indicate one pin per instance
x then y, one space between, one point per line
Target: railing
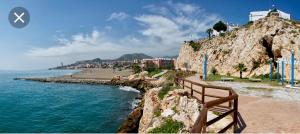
215 104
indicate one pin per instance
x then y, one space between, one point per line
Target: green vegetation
293 32
157 112
241 67
174 109
150 67
264 79
165 89
220 26
213 71
183 74
168 126
196 46
136 68
222 34
273 10
209 32
154 72
255 64
217 113
248 24
168 84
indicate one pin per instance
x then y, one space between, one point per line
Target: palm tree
241 67
209 32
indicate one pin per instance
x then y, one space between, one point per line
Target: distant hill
97 61
131 57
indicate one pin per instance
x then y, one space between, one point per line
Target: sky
71 30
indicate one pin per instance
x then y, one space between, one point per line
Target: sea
32 107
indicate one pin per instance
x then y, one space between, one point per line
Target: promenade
265 115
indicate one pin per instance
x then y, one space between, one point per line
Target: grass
154 72
168 126
157 113
165 89
217 113
237 79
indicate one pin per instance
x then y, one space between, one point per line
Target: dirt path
265 115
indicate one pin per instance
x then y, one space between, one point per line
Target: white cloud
159 34
118 16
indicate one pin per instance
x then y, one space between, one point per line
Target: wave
129 89
135 103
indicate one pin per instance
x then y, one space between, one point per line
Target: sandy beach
99 73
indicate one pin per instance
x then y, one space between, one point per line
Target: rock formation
253 45
178 106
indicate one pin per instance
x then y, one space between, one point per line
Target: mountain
252 45
131 57
97 62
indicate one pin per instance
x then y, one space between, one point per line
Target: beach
86 76
99 73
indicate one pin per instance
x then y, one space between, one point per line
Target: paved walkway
265 115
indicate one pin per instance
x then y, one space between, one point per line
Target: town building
159 62
256 15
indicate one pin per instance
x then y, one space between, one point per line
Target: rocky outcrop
253 45
151 105
131 124
176 105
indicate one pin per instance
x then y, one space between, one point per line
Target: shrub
214 71
168 126
220 26
136 68
222 34
183 74
195 46
209 32
157 112
267 76
165 89
150 67
255 64
228 74
292 42
248 24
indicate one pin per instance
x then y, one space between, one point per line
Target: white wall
255 15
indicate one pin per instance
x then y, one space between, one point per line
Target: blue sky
69 30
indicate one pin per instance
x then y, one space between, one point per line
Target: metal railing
218 103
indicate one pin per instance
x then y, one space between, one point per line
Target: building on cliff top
255 15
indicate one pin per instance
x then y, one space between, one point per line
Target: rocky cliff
253 45
178 106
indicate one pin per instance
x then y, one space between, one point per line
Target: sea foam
129 89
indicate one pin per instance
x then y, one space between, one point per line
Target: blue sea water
27 106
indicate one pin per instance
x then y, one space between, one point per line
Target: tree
214 71
220 26
136 68
241 67
209 32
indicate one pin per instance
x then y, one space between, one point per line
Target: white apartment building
255 15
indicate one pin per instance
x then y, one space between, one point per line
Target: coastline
107 77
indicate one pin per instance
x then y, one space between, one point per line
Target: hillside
98 61
131 57
253 45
